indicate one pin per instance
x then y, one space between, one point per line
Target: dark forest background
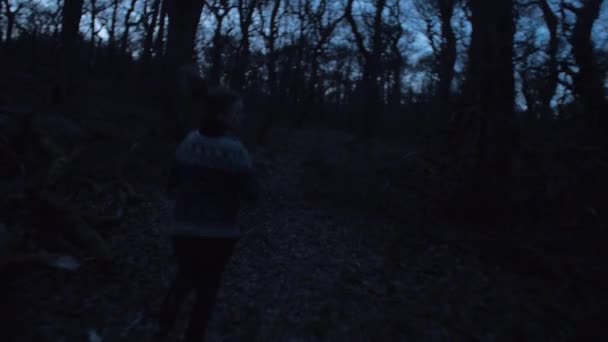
475 123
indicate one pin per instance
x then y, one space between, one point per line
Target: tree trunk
245 9
220 12
373 67
315 86
93 32
112 31
72 12
371 106
491 74
588 82
395 93
395 67
216 55
547 91
447 57
92 23
270 44
149 34
10 20
324 32
184 17
10 24
1 31
160 36
238 78
127 26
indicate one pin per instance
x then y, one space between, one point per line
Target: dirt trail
300 273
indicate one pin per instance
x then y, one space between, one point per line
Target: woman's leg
217 253
179 290
181 287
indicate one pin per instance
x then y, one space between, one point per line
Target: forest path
302 272
307 272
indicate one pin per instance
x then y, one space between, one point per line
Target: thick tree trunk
491 74
184 17
72 12
371 106
588 82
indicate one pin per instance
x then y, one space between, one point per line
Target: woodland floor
309 272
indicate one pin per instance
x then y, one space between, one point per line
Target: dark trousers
201 262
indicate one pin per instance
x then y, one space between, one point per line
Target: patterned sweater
211 175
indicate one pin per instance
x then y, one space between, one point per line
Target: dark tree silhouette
588 81
246 9
93 11
323 30
445 53
540 81
270 39
220 9
549 86
113 27
371 62
149 27
395 62
184 17
447 58
72 12
271 25
159 42
10 15
491 82
1 23
127 24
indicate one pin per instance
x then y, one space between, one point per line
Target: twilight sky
414 44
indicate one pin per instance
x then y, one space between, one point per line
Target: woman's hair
224 102
220 106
